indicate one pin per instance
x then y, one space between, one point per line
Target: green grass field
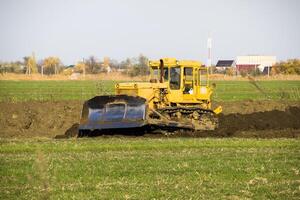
82 90
53 90
148 168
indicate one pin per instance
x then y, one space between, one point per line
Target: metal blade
113 112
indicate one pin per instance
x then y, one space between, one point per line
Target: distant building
251 63
223 64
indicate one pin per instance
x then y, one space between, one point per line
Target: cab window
175 78
188 73
188 80
203 77
166 74
154 74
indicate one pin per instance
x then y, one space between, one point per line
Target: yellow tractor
178 96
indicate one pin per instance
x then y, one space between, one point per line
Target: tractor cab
187 81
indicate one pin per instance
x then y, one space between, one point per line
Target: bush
255 72
291 66
243 73
230 71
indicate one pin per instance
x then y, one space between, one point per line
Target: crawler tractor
178 96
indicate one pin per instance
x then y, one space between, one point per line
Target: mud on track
264 119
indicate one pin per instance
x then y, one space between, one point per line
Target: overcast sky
73 29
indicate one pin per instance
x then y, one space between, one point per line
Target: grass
82 90
264 90
145 168
148 168
53 90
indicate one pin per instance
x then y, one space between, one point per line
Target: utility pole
209 45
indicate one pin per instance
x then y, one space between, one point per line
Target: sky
76 29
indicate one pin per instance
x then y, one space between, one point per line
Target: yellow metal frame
152 91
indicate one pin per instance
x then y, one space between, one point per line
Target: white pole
209 45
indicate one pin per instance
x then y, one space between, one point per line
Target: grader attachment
112 112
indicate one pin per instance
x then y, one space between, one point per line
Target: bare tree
52 65
30 63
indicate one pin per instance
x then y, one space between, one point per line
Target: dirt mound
249 106
38 119
241 119
266 124
274 119
258 121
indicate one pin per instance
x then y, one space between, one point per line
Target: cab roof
172 62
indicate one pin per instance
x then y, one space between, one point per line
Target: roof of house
225 63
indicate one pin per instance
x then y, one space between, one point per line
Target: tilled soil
38 119
263 119
261 124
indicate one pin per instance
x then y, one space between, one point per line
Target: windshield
154 73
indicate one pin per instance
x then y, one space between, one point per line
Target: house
222 65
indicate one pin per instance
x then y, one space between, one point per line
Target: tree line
130 66
91 65
291 66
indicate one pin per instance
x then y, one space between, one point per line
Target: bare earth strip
239 119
